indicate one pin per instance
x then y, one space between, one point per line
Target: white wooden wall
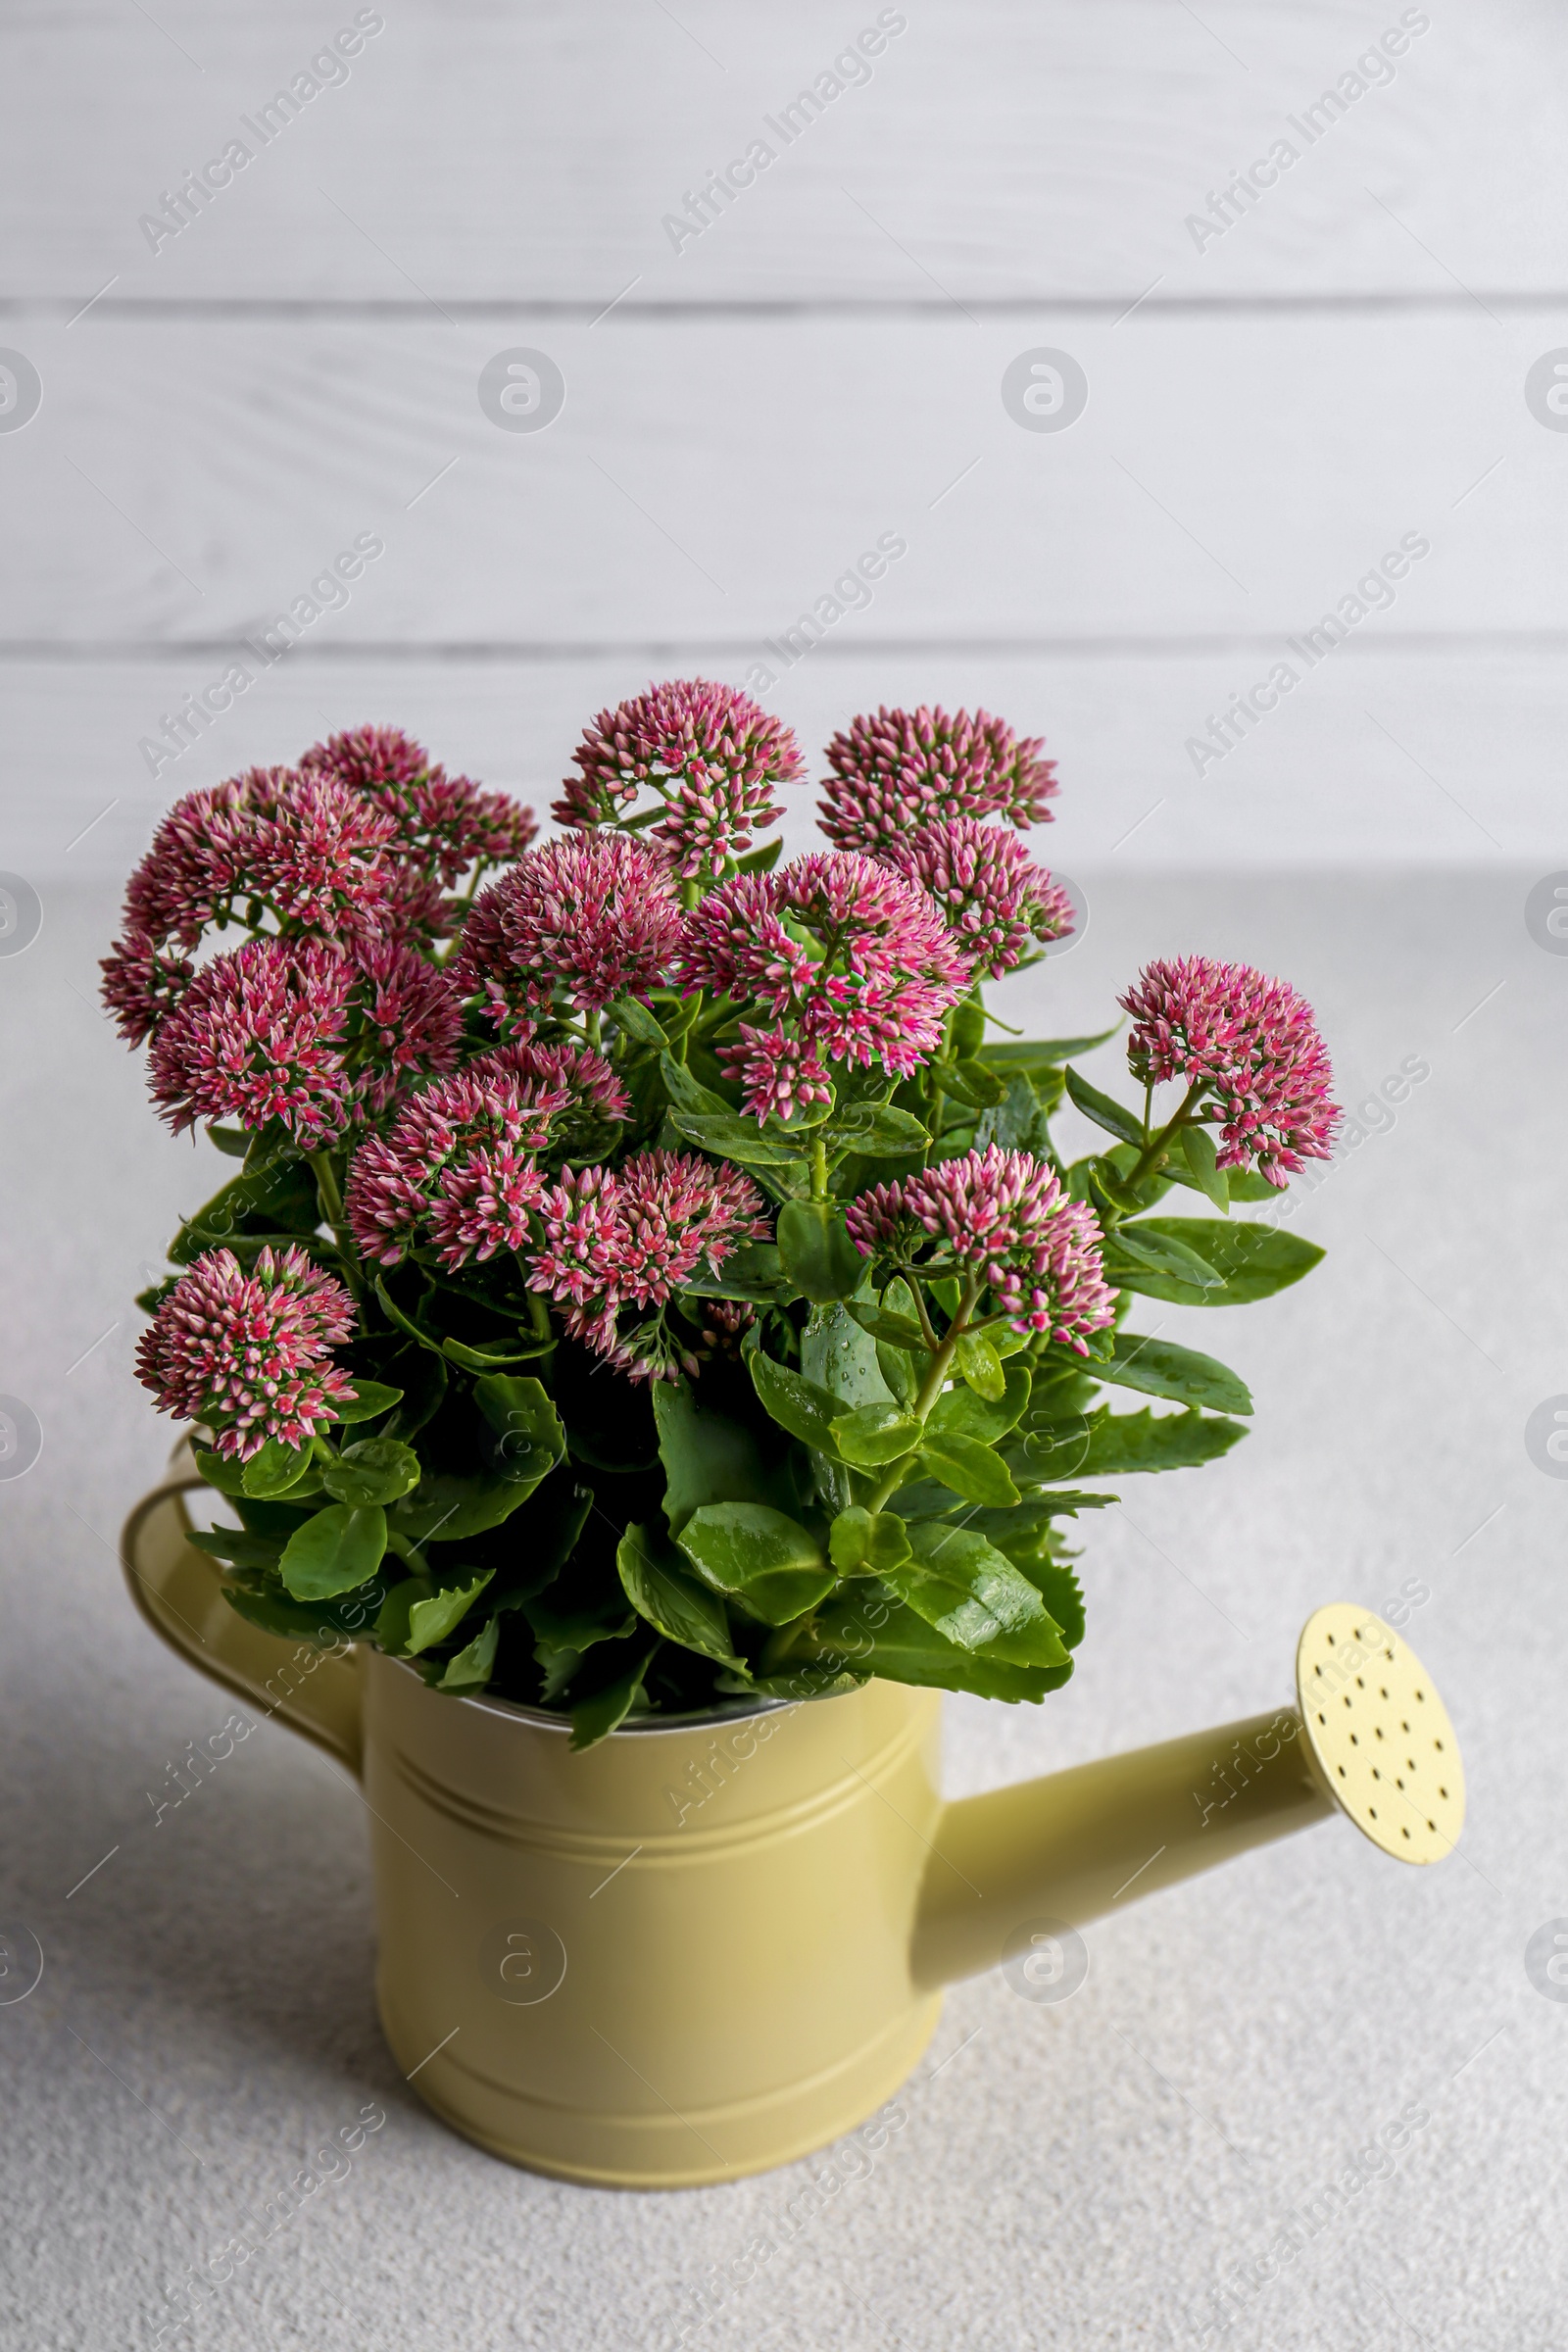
1269 413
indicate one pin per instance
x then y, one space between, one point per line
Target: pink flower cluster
714 756
460 1166
852 961
304 849
632 1236
1252 1043
305 1032
351 846
441 824
995 900
594 917
1005 1218
903 768
250 1354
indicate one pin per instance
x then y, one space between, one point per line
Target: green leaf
1113 1444
325 1623
491 1360
979 1365
960 1412
874 1434
471 1668
1048 1052
219 1471
1197 1150
969 1467
238 1546
1023 1530
1106 1186
875 1130
637 1022
532 1439
1061 1593
659 1587
729 1136
1251 1261
866 1630
371 1400
897 1331
375 1470
966 1029
796 1403
842 1358
970 1081
594 1719
763 860
432 1620
1245 1183
862 1542
817 1253
280 1200
754 1271
276 1468
1150 1258
685 1092
444 1507
423 1610
233 1142
402 1322
709 1457
1116 1121
1159 1369
335 1549
765 1560
1016 1123
973 1596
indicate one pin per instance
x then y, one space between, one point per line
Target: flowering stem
818 1168
1154 1152
331 1201
931 1386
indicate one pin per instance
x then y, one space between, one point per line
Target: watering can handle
179 1592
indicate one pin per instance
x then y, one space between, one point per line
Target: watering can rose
649 1278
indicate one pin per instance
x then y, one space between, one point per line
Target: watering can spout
1368 1737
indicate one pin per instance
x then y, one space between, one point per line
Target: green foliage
1199 1150
800 1405
872 1435
335 1549
862 1542
865 1471
1123 1124
974 1596
661 1588
1159 1369
818 1257
375 1470
769 1563
1245 1262
1161 1259
371 1399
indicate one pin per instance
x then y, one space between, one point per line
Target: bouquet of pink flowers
647 1285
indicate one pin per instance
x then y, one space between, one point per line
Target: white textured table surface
1071 2177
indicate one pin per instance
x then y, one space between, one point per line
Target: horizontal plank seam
1238 304
539 652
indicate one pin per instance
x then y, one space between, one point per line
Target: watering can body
704 1948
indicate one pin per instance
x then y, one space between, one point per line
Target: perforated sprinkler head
1379 1734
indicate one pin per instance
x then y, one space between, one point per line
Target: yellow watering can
708 1946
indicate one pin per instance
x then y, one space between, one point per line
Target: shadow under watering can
672 1960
